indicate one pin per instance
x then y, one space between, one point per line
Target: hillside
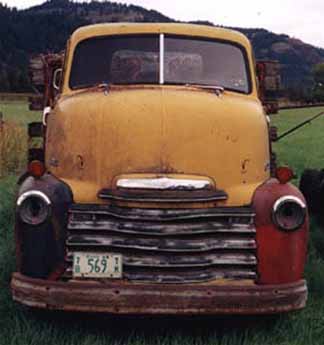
46 28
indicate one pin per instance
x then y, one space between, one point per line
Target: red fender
281 255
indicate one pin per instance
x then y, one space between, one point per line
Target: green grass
13 135
18 113
305 147
19 325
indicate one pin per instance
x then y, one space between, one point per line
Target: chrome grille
167 245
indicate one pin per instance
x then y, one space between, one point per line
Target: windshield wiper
101 85
106 86
217 88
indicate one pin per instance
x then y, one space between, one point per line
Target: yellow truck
155 191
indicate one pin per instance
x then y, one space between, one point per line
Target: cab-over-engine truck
156 190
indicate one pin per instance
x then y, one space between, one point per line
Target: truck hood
94 137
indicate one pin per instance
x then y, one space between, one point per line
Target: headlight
289 213
33 207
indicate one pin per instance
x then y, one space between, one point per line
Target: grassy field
19 325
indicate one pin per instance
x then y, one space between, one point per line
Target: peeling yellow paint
158 130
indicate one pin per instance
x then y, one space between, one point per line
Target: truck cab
157 193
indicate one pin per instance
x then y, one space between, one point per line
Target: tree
318 74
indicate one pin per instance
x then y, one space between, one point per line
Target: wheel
310 184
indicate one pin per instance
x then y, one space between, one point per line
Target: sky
302 19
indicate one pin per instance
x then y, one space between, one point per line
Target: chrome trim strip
33 193
162 215
163 183
288 198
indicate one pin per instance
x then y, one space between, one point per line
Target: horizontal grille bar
161 215
165 245
176 261
154 229
192 276
173 196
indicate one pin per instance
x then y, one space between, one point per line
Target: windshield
136 60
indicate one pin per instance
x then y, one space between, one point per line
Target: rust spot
54 162
244 166
234 139
80 162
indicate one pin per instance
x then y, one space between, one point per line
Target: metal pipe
161 59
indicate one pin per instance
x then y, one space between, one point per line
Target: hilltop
46 28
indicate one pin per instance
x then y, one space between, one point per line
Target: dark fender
40 249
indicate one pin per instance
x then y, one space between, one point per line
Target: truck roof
151 28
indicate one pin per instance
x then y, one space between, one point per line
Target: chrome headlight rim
38 195
282 201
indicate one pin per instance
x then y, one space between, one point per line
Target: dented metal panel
159 299
164 132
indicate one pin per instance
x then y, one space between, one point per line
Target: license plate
97 265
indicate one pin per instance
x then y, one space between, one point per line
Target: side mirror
57 78
268 73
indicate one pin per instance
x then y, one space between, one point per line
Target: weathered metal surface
159 299
231 213
41 249
189 261
202 245
151 228
178 276
137 144
161 245
281 255
170 196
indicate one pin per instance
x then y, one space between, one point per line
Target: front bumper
159 299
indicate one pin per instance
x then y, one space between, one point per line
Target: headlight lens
34 207
289 213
